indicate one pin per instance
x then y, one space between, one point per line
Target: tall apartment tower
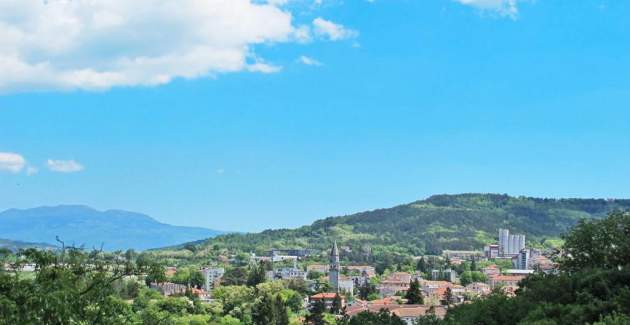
523 259
333 273
504 238
513 245
521 242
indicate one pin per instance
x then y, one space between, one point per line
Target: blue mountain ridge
83 226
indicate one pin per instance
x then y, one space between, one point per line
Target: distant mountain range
81 225
465 221
15 245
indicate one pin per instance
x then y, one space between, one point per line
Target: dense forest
466 221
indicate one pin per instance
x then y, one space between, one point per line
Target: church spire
333 272
334 253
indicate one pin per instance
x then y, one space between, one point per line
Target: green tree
448 296
422 265
280 309
414 294
257 275
67 287
383 317
335 307
263 312
316 313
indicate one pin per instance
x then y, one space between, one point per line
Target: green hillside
466 221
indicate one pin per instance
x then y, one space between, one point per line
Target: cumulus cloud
309 61
99 44
507 8
332 31
64 166
11 162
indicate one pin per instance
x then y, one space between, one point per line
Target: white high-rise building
210 275
521 242
513 244
510 244
522 262
504 236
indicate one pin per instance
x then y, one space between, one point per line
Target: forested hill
466 221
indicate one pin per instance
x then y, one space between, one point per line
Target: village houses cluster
440 289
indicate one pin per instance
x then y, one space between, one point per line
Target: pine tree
282 314
449 296
263 312
473 265
422 265
316 313
256 275
336 305
414 295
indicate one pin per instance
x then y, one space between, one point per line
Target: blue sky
339 108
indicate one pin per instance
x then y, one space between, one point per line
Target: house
320 268
363 270
464 255
491 270
505 281
394 283
408 313
346 284
478 288
327 298
170 271
297 252
169 289
289 273
518 272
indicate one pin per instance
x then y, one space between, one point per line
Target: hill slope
81 225
466 221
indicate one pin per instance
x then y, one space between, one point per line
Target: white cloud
30 170
11 162
507 8
332 31
309 61
64 166
99 44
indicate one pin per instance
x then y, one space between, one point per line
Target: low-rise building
505 281
408 313
478 288
491 251
169 288
328 298
363 270
394 283
289 273
491 270
320 268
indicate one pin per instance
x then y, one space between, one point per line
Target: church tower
333 272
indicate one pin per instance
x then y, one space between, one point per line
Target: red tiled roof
324 295
508 277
